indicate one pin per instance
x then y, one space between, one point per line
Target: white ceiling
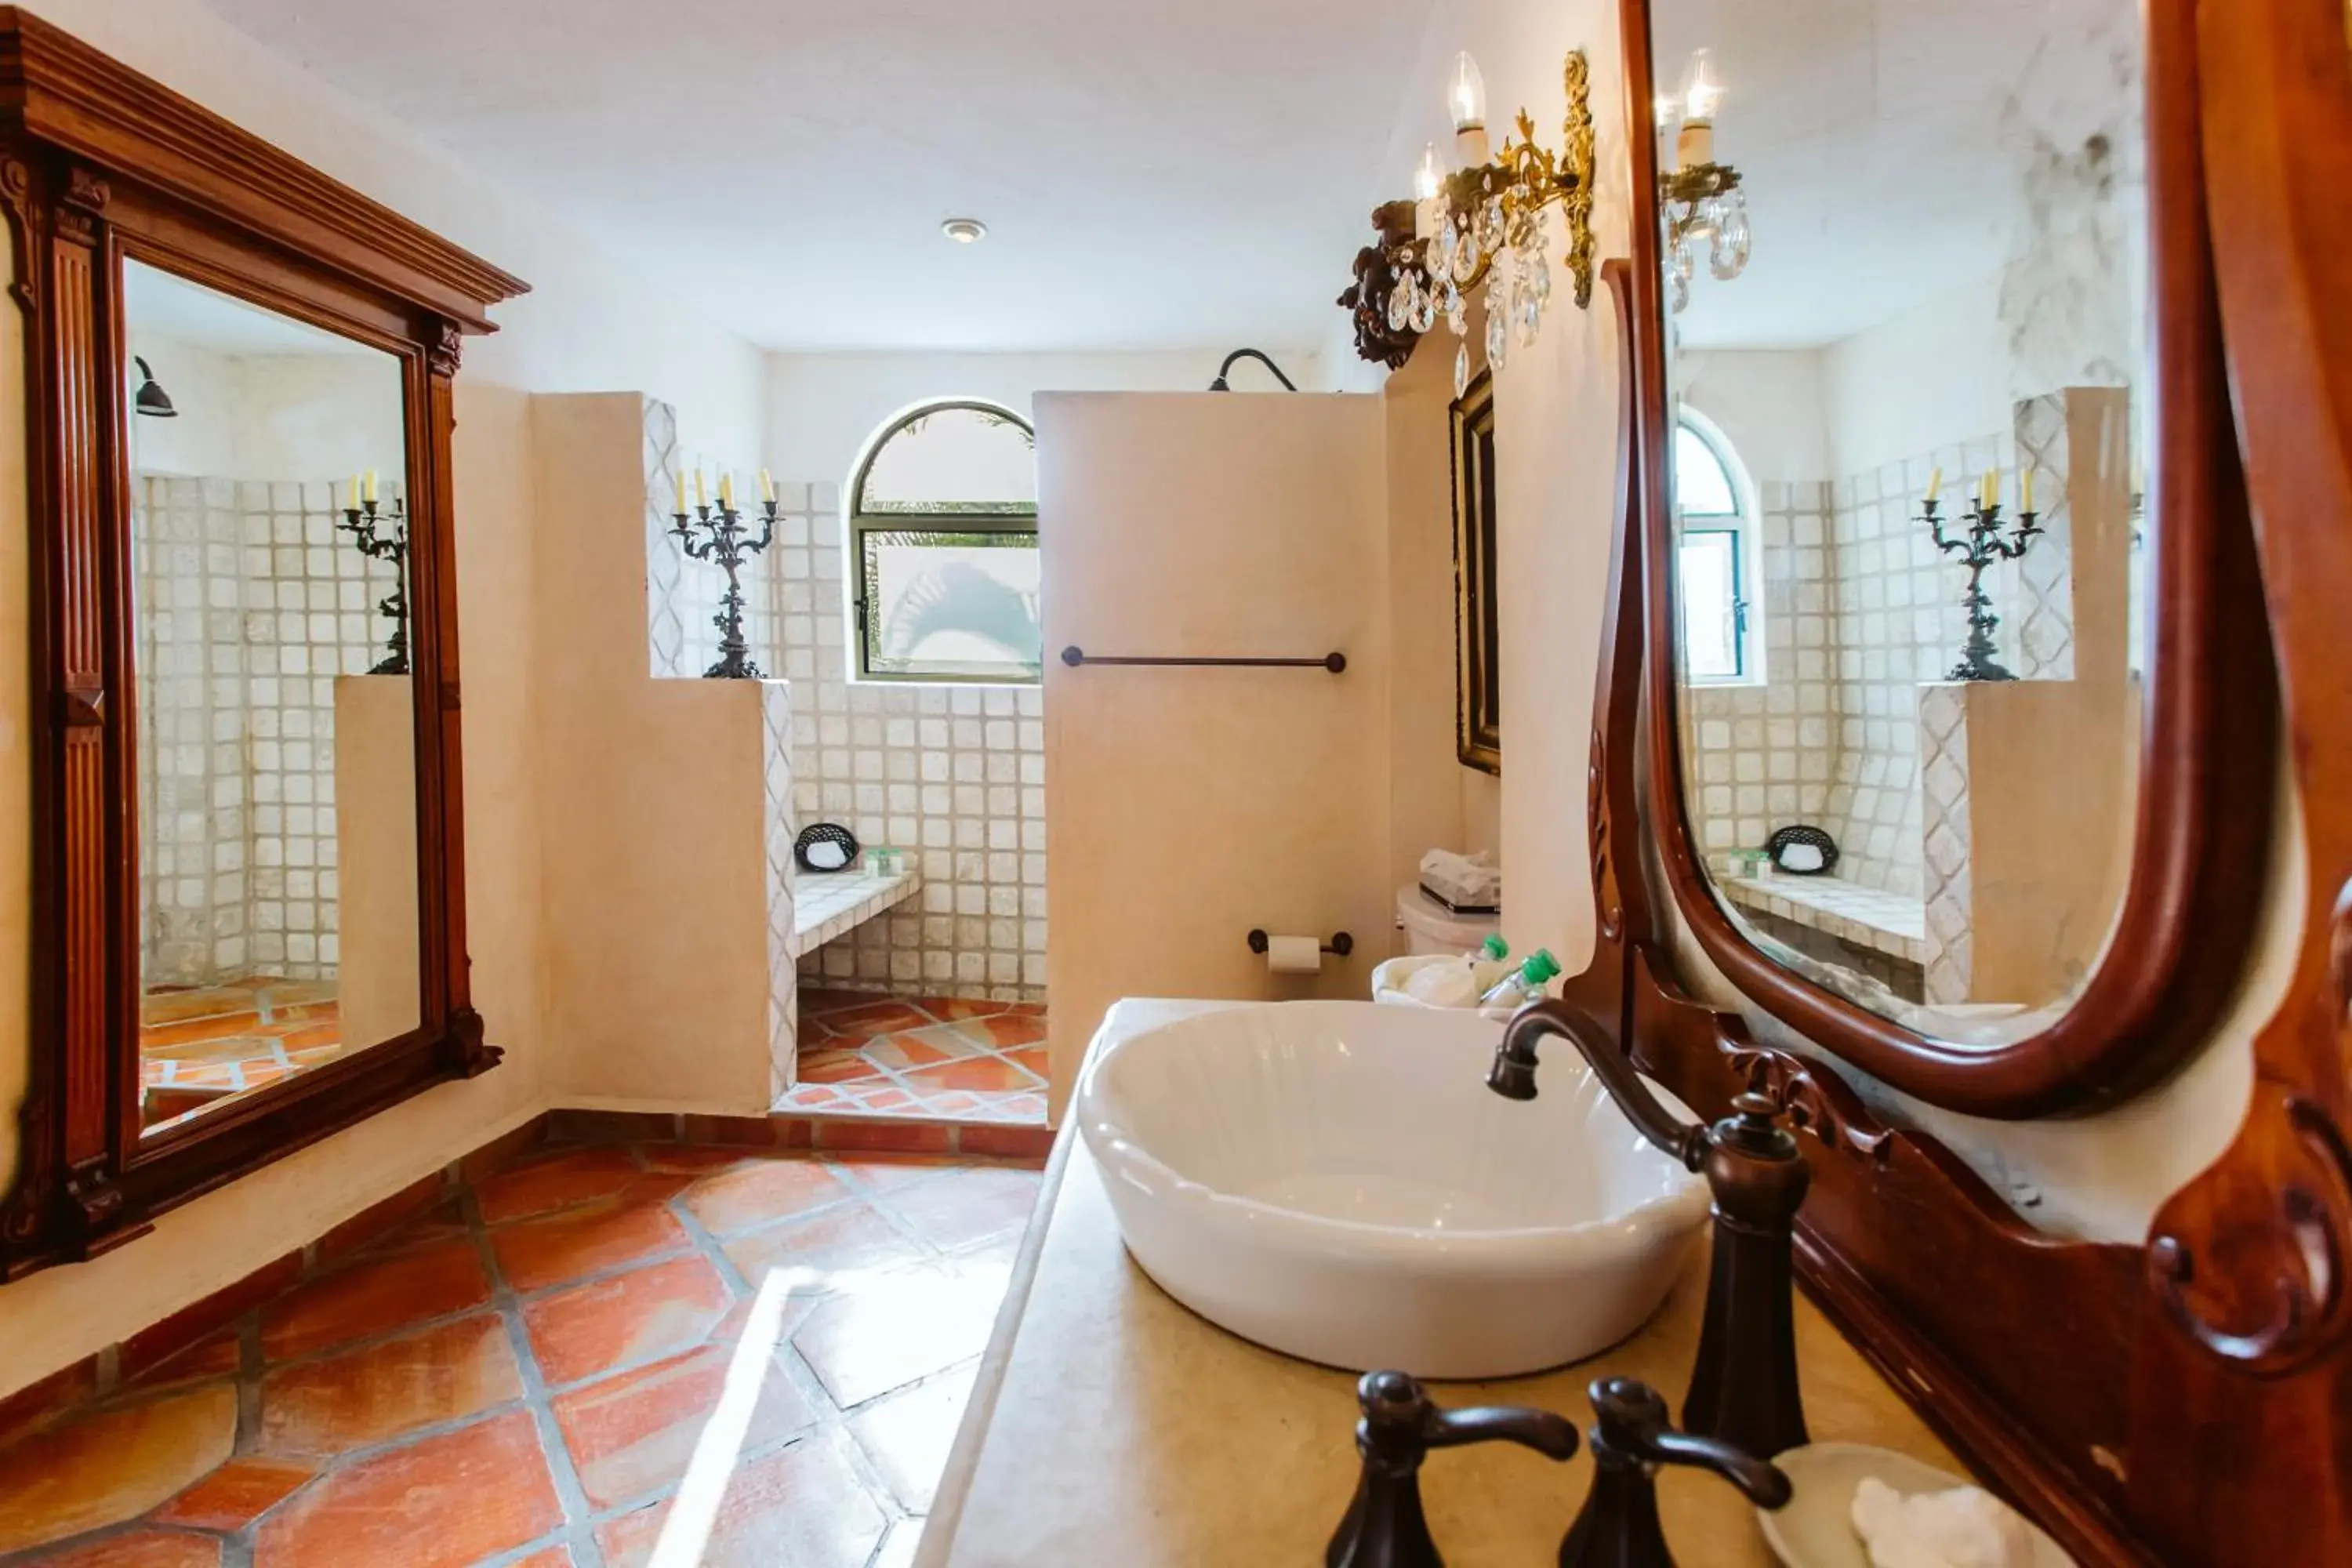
1153 175
1892 150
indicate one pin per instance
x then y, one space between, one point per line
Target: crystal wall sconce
1700 201
1479 224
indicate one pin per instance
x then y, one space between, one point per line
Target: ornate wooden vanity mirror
2026 730
247 862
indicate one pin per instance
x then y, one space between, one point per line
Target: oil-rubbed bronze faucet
1384 1526
1619 1525
1743 1388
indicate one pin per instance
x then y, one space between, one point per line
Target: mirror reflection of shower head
151 398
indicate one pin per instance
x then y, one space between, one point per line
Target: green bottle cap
1539 967
1495 947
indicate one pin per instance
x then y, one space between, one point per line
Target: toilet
1430 927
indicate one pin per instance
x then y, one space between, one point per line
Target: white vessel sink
1334 1180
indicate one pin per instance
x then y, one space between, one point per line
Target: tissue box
1465 884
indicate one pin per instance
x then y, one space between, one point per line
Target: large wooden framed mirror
1961 713
247 844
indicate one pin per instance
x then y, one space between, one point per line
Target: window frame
1740 524
961 524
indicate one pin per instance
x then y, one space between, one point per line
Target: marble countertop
1109 1424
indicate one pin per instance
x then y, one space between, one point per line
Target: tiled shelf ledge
825 906
1869 917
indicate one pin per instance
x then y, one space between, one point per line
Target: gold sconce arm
1473 218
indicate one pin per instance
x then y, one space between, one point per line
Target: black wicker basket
1778 843
834 839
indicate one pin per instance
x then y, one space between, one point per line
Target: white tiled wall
953 774
249 605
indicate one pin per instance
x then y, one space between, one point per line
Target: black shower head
151 398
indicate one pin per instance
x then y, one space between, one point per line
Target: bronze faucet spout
1743 1389
1514 1075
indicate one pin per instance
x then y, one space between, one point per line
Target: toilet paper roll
1293 954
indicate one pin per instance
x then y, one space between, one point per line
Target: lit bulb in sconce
1465 100
1701 94
1467 96
1430 177
1428 182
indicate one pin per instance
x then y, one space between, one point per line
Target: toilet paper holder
1341 945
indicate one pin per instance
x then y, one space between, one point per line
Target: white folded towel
1966 1527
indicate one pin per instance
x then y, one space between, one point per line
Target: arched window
943 548
1714 555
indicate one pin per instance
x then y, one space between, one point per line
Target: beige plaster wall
1188 805
377 984
656 955
1427 790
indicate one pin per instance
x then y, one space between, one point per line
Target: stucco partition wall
653 797
378 985
1191 806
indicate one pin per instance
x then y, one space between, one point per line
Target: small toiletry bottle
1524 984
1494 950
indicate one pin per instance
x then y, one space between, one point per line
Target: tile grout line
572 1497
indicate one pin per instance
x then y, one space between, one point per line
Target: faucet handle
1400 1423
1634 1422
1384 1526
1619 1527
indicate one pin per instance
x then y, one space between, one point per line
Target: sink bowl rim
1125 1161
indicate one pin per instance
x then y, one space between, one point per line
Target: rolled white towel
1443 985
1966 1527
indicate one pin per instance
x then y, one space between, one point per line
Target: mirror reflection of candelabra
719 536
382 536
1982 544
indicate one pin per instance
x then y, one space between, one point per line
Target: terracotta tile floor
938 1057
534 1374
211 1041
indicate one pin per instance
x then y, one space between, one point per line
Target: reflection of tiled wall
1946 874
1763 753
956 774
1899 623
249 605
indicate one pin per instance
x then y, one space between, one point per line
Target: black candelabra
384 536
1981 545
718 534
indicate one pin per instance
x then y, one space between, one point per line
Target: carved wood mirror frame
2186 1400
97 165
2208 737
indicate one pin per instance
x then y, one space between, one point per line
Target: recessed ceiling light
964 230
